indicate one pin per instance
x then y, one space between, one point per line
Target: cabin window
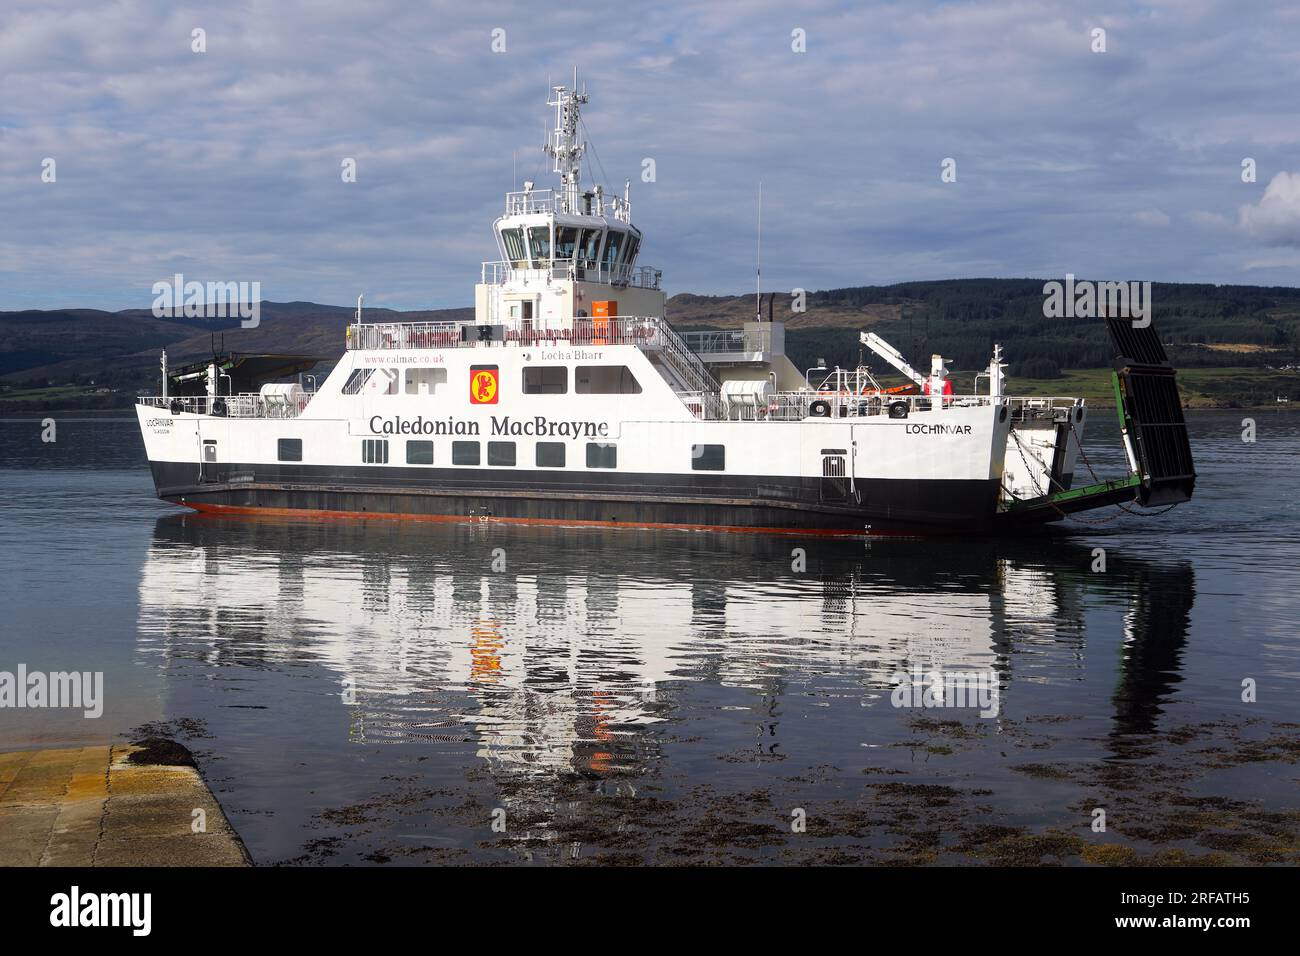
383 382
633 247
546 380
374 451
566 242
602 455
550 454
709 457
501 453
513 240
464 453
289 449
539 238
424 381
605 380
356 381
419 452
613 244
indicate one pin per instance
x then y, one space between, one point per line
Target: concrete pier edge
140 804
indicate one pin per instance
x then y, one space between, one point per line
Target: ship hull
760 503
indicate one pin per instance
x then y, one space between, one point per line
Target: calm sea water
381 692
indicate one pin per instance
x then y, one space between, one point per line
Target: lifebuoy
176 406
820 409
898 409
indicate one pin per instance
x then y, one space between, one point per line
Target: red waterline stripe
553 522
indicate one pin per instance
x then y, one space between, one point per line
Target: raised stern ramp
1154 432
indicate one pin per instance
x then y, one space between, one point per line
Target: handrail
730 340
243 405
501 271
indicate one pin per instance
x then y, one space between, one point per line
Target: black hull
714 501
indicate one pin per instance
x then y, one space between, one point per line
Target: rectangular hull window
546 380
605 380
550 454
425 381
501 453
419 452
464 453
602 455
708 457
289 449
374 451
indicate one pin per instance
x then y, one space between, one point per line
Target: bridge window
709 457
602 455
546 380
464 453
374 451
605 380
590 247
289 449
613 244
550 454
566 241
424 381
633 247
501 453
539 239
419 452
513 240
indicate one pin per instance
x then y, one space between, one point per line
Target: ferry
570 399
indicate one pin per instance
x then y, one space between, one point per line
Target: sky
226 165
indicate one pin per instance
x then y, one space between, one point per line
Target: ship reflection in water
515 663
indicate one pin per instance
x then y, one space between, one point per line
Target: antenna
563 146
758 262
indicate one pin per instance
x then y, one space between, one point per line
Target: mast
758 262
563 147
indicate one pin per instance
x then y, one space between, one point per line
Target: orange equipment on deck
601 312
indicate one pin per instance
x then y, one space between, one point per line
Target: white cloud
1151 218
227 163
1275 219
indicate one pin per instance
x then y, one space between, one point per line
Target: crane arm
891 355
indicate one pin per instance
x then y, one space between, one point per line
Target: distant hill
1201 325
121 349
115 354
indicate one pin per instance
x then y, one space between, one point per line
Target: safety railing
729 340
405 335
532 201
804 404
244 405
1042 409
577 270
